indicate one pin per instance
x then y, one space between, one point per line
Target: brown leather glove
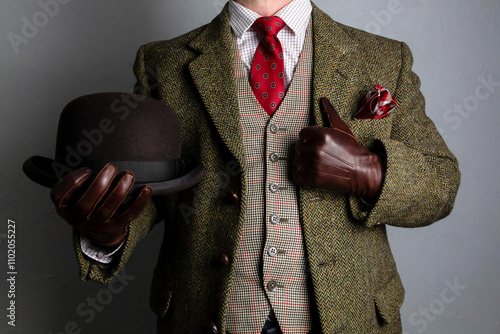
331 158
93 203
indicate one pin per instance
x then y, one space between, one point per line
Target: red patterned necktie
268 67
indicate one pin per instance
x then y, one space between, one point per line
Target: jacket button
223 260
232 197
212 328
378 224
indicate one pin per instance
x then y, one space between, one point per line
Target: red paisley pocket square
378 103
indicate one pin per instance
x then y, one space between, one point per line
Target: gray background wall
89 46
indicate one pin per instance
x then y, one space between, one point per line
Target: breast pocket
368 131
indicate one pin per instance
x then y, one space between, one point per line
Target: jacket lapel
214 76
336 74
336 68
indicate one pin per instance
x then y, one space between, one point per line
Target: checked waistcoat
271 265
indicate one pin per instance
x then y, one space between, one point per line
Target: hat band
144 171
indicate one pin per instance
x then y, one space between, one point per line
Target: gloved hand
331 158
92 202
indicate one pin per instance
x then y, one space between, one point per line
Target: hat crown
134 132
112 127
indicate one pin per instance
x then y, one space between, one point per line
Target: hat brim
39 169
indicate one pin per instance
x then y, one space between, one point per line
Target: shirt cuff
97 253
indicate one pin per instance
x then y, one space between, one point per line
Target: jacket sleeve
139 227
103 273
422 175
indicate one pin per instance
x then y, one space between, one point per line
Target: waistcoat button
274 157
273 187
273 251
274 219
272 285
273 128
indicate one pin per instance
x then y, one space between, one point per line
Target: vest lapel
213 74
336 74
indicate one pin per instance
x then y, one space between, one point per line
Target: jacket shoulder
369 41
384 55
385 59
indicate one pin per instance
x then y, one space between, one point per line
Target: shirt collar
295 15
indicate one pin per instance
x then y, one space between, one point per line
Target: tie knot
268 25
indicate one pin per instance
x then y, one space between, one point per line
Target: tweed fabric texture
355 281
271 247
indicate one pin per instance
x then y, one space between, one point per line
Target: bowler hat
134 132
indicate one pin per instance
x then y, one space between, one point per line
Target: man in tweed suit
259 251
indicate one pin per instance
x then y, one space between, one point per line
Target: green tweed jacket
356 285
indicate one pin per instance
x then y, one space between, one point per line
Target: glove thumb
333 117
